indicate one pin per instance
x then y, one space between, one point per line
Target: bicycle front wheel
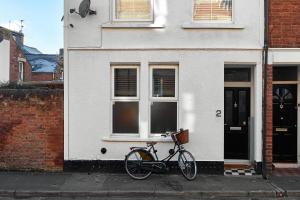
187 165
136 164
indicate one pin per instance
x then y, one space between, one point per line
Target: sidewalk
18 184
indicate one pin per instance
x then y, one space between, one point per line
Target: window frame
115 19
163 99
21 71
125 66
232 21
163 66
124 99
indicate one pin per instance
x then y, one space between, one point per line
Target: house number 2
218 113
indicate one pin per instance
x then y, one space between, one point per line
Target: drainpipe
265 171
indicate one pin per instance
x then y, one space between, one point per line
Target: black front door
285 123
237 113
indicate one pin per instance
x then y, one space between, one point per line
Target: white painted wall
200 53
173 14
4 61
201 88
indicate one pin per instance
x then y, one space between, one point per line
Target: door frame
298 101
293 83
252 114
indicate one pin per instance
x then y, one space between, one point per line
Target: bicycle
140 162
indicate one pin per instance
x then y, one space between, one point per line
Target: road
141 198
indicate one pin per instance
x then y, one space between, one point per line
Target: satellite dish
84 9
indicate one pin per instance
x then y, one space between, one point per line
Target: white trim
125 66
215 21
114 99
132 25
74 48
164 66
206 25
163 99
127 138
114 19
21 72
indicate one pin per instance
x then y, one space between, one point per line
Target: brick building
14 66
283 95
21 63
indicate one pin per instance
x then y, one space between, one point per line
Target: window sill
135 139
212 26
132 25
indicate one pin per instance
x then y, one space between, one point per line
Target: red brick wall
41 76
284 23
16 53
31 129
269 122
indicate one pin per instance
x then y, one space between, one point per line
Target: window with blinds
125 82
133 10
163 83
212 10
164 98
125 99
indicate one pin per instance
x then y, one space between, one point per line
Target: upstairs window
213 10
133 10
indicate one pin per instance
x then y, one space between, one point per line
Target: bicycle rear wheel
187 165
136 164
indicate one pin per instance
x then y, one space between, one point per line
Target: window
164 98
213 10
237 75
125 99
21 71
285 74
133 10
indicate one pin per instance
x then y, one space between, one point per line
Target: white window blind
133 9
212 10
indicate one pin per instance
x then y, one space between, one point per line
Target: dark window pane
163 83
237 75
285 74
243 114
163 117
125 82
126 117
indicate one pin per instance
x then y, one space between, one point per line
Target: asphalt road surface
155 198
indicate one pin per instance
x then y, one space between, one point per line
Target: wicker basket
181 137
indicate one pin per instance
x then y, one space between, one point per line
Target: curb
197 194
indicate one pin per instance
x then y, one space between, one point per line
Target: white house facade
139 68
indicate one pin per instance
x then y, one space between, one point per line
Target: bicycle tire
187 165
134 161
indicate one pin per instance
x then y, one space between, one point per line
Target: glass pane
243 114
133 9
163 83
125 82
163 117
237 75
228 106
212 10
126 117
285 74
